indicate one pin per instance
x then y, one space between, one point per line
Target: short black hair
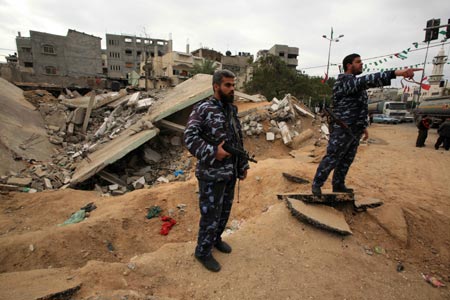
349 60
220 74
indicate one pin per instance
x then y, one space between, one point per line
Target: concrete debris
284 122
19 181
322 216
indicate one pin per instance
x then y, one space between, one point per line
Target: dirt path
274 255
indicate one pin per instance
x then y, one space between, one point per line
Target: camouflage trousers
341 152
216 199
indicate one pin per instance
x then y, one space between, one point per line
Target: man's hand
407 73
221 154
366 135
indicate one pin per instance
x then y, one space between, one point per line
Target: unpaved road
274 255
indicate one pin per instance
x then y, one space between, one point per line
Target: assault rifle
237 151
335 119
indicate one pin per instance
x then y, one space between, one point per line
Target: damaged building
50 58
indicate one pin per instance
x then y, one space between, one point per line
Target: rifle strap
239 189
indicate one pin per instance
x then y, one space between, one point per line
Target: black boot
223 247
342 189
209 262
316 190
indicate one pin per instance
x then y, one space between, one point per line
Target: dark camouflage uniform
350 105
217 179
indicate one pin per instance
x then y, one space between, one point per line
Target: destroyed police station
99 198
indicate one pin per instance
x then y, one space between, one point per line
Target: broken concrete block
48 184
70 129
301 138
285 133
324 129
274 107
40 173
78 115
134 99
175 141
320 216
113 187
162 179
56 140
270 136
144 104
19 181
151 155
53 127
57 118
139 183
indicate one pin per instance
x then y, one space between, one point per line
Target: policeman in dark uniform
217 170
350 106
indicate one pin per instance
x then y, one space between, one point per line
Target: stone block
19 181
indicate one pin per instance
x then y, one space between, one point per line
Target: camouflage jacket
350 97
209 117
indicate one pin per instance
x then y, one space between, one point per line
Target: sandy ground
274 255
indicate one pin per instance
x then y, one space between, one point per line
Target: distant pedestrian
423 126
350 106
444 135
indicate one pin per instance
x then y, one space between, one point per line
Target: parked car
385 119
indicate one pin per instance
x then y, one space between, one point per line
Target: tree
273 78
207 67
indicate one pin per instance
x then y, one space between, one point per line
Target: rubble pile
77 136
284 119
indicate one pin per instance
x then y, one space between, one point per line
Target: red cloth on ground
167 225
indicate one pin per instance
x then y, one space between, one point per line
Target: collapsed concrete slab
177 101
327 197
320 216
22 130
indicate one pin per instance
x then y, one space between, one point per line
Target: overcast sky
371 28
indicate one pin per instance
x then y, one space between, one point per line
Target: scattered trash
89 207
379 250
131 266
153 212
432 280
178 172
167 225
75 218
400 267
31 247
368 250
110 246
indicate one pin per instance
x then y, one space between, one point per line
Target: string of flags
400 55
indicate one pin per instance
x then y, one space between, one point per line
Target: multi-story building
124 53
287 54
240 65
173 68
209 54
75 55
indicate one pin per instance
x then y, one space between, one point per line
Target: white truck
393 109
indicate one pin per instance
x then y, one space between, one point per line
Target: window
146 41
138 40
138 53
281 54
49 70
292 55
128 40
26 49
28 64
48 49
128 52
